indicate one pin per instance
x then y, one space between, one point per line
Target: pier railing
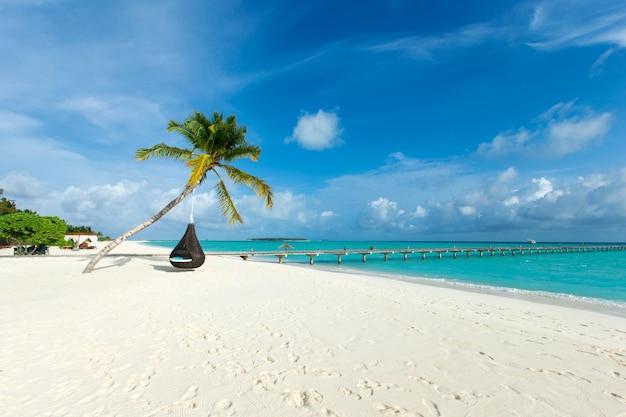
424 252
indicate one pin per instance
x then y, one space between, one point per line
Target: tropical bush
28 229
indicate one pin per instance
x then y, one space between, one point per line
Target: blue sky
398 119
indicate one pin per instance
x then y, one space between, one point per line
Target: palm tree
214 144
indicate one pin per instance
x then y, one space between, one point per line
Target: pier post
582 248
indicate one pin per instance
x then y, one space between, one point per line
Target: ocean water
597 278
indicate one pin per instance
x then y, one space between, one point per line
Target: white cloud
575 133
598 67
501 186
379 213
540 187
507 206
594 181
317 132
287 206
291 213
16 186
560 24
509 203
420 212
468 210
564 129
506 143
114 115
425 47
108 199
12 123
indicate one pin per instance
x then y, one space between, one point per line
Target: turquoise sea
596 278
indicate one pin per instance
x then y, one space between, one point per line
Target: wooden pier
425 252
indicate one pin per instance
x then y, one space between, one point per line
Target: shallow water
591 277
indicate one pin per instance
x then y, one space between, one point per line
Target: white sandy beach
242 338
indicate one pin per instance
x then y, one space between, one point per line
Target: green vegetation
214 143
6 206
30 229
86 229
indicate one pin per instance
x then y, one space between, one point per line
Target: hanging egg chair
188 253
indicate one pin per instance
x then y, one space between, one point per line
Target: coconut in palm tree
215 144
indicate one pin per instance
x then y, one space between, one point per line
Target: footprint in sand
326 372
223 408
388 410
188 399
433 409
139 380
445 393
266 381
298 398
366 387
235 368
349 393
208 367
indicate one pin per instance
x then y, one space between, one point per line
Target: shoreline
597 305
138 337
570 286
603 306
145 248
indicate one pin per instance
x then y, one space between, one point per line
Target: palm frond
226 203
260 187
251 152
164 151
200 165
200 134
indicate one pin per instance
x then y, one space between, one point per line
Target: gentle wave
617 308
594 278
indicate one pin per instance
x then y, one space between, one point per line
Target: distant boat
531 241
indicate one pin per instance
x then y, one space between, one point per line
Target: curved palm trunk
108 248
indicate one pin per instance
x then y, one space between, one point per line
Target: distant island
281 239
